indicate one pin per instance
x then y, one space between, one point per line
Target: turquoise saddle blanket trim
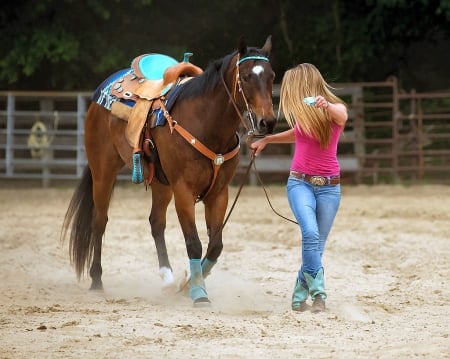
151 66
102 94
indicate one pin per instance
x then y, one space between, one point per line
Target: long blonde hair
302 81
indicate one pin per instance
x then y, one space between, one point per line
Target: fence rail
391 136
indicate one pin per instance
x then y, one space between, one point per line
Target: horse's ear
242 46
267 46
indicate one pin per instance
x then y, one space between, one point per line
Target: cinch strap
263 58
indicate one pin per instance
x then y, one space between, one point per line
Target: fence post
420 129
359 131
46 105
10 107
395 129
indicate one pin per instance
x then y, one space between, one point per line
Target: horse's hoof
170 289
167 276
96 286
202 302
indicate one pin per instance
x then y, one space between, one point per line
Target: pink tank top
309 158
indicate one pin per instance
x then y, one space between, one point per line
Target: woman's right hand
258 145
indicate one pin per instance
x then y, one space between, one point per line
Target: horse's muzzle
265 127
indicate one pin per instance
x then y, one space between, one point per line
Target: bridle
251 131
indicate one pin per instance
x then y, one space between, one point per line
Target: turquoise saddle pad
152 67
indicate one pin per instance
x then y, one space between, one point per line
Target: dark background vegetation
75 44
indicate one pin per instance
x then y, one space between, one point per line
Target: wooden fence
392 136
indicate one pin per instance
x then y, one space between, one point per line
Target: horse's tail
79 218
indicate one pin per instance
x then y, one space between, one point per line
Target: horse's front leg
215 208
185 207
161 197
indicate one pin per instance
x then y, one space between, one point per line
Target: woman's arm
282 137
338 113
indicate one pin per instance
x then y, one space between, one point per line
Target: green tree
75 44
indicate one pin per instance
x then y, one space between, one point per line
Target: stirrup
137 175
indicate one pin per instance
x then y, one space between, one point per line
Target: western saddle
143 87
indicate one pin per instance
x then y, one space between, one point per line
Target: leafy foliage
72 45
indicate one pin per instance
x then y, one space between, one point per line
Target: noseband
250 114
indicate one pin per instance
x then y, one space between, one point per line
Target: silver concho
219 160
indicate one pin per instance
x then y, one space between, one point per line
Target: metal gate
391 136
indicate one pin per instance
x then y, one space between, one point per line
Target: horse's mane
208 80
211 77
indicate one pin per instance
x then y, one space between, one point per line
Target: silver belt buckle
318 180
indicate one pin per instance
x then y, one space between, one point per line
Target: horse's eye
246 77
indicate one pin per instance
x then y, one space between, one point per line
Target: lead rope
265 192
253 164
247 171
251 134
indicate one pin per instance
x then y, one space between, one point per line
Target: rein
251 135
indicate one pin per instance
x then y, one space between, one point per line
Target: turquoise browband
263 58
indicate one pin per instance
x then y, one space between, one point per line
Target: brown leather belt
316 180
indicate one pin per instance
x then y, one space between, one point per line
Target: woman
316 118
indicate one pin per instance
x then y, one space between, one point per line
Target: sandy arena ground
387 274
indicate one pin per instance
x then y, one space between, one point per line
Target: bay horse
210 108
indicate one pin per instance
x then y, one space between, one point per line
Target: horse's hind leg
102 191
105 163
161 197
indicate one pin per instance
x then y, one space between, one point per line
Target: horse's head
255 80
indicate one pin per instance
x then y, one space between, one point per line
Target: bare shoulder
339 113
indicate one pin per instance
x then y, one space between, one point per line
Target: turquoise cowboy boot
317 291
197 289
207 266
299 297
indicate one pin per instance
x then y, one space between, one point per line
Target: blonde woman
316 118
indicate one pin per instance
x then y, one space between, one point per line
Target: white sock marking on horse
167 276
258 70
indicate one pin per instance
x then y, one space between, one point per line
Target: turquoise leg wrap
207 266
299 296
316 285
137 175
197 284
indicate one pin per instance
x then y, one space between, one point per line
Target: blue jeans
314 208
